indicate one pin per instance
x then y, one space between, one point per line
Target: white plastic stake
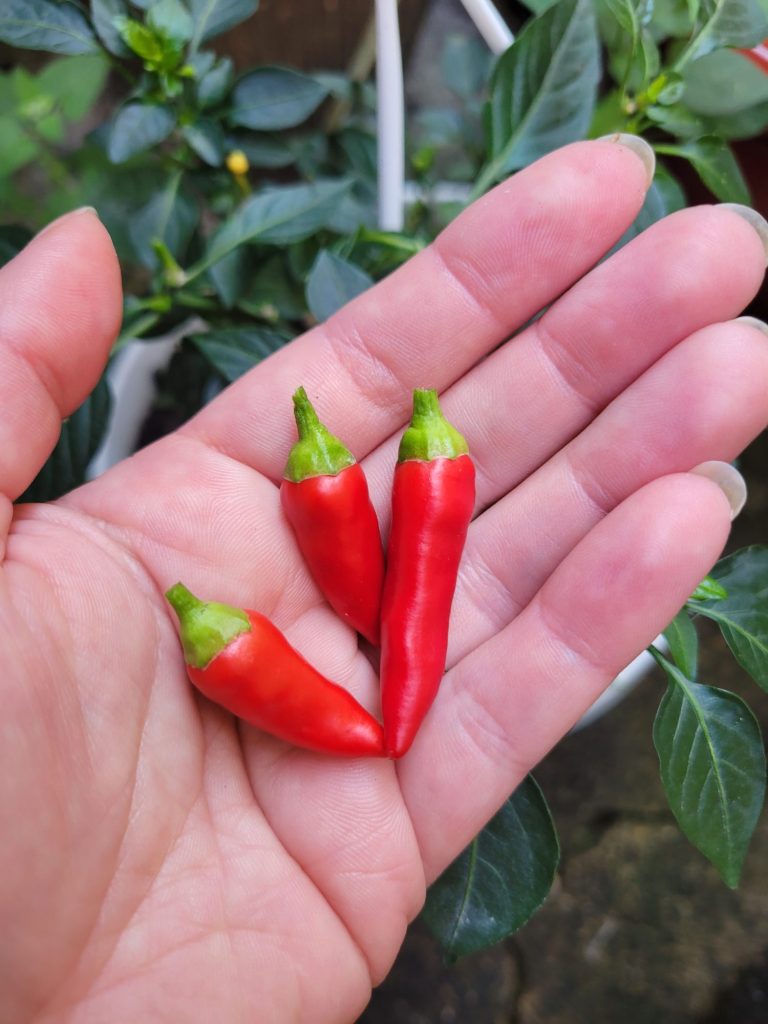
390 116
490 24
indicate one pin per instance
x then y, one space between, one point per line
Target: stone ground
638 927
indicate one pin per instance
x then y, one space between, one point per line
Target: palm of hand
168 864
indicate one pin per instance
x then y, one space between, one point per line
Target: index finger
491 270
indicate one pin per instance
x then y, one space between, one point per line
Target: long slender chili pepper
432 502
325 498
240 660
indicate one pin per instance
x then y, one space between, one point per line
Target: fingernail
752 321
754 219
728 479
639 147
65 216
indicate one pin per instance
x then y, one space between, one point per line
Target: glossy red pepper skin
338 535
432 503
242 661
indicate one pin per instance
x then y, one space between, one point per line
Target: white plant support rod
390 117
490 24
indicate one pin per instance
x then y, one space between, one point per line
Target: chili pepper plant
247 202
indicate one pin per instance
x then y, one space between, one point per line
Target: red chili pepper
241 661
758 55
325 498
432 503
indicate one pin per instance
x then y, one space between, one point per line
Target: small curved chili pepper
325 498
240 660
432 502
758 55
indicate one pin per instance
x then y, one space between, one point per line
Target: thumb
60 310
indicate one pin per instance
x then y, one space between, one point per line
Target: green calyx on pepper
317 452
430 435
206 627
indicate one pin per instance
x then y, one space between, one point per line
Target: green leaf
709 590
743 614
465 64
13 238
235 351
81 435
277 215
500 880
18 147
273 292
171 216
676 120
138 126
625 15
724 83
264 150
543 89
75 82
273 98
745 124
172 18
727 23
716 166
106 15
230 276
712 766
207 140
333 282
46 25
683 642
212 17
213 86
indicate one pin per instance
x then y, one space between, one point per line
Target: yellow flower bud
237 162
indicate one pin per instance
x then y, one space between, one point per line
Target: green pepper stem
206 628
429 435
317 452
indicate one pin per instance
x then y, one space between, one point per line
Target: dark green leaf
13 238
274 98
46 25
683 642
171 216
712 766
138 126
543 89
264 150
104 14
625 15
235 351
500 880
230 276
727 23
332 283
465 64
716 166
743 614
207 140
276 215
81 435
273 292
212 17
213 86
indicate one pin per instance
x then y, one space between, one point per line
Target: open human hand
163 862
